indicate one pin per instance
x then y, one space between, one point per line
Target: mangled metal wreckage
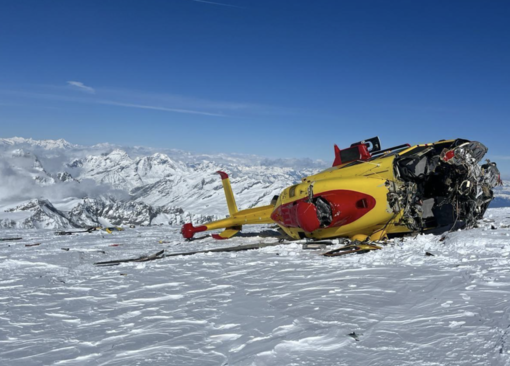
370 194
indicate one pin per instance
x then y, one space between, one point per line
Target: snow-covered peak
114 158
65 177
20 153
26 164
103 145
45 144
160 157
118 155
31 205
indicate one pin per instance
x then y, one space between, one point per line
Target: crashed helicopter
370 194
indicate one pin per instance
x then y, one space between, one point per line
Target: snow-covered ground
279 305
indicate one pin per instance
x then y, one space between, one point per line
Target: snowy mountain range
56 184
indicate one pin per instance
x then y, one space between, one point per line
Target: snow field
278 305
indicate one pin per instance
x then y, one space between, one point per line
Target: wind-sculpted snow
279 305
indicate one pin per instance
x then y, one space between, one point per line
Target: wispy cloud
501 157
80 86
94 100
164 102
156 108
220 4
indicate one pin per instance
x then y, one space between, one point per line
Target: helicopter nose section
306 216
328 209
300 214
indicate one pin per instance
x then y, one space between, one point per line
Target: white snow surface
278 305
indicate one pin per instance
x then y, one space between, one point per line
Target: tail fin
231 202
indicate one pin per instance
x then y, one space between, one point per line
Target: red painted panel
363 151
223 175
188 230
338 160
306 215
353 153
218 237
346 207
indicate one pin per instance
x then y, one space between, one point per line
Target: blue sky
266 77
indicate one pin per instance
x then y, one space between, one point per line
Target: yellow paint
231 202
359 237
230 232
368 177
257 215
379 235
